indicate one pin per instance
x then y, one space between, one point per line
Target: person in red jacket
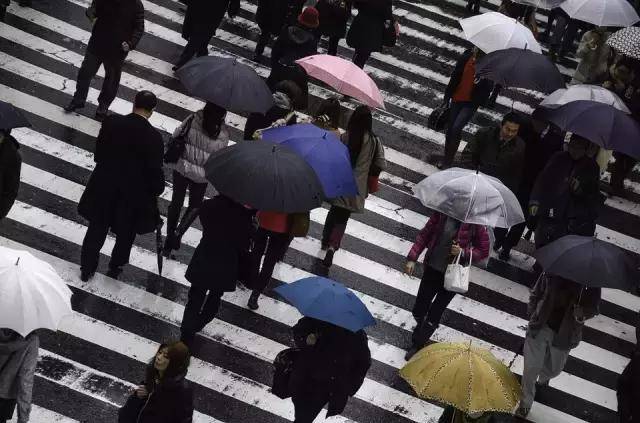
444 238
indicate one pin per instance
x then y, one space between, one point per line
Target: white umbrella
470 197
542 4
32 295
618 13
584 92
493 31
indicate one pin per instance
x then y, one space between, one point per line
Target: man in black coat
334 15
366 33
119 26
122 193
10 164
271 17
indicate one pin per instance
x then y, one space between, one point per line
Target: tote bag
456 277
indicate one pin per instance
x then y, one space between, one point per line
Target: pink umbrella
344 77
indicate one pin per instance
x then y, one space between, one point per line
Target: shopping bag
456 277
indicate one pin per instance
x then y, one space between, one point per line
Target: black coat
273 15
116 21
629 391
332 369
257 121
334 15
124 187
293 43
203 17
367 29
226 230
482 88
538 151
169 402
10 164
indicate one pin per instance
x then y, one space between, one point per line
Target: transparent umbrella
584 92
542 4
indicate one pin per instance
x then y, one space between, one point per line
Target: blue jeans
460 114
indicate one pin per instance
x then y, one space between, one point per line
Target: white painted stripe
42 415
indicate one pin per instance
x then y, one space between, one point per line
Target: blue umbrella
329 301
323 151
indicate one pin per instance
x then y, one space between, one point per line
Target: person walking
330 368
334 15
465 93
557 311
593 53
164 396
10 166
327 115
18 360
287 94
123 190
367 160
628 389
366 33
272 16
444 238
214 267
205 132
118 28
473 6
201 21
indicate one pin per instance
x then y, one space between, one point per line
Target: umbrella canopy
470 197
493 31
520 69
32 295
626 41
584 92
10 117
541 4
589 261
329 301
602 12
600 123
469 378
343 76
227 83
265 176
323 151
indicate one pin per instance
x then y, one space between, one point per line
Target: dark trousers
263 40
202 307
460 114
621 169
509 238
94 240
89 68
273 246
196 46
431 302
360 57
334 227
196 196
307 408
333 47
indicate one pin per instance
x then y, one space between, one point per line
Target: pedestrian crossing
87 369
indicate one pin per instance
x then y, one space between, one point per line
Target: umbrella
227 83
542 4
602 12
159 245
493 31
520 69
589 261
626 41
10 117
265 176
343 76
469 378
329 301
32 295
470 197
584 92
600 123
323 151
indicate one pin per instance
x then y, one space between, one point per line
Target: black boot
114 271
253 300
328 258
73 106
85 275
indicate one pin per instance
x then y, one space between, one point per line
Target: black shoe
328 258
257 58
410 353
101 114
85 275
73 106
114 272
496 247
505 255
253 300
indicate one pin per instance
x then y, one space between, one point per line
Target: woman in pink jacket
444 238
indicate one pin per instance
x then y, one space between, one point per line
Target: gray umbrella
227 83
10 117
626 42
265 176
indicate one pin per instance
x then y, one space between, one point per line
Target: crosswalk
87 369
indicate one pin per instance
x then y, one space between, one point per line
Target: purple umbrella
600 123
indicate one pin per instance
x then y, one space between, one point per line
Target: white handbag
456 277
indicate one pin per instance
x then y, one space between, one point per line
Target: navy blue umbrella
600 123
10 117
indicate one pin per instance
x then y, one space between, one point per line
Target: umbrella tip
18 261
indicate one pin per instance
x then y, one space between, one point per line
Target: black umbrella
600 123
589 261
626 41
519 68
227 83
265 176
10 117
159 245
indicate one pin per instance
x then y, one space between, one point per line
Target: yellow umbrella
466 377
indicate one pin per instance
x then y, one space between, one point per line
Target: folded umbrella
227 83
589 261
329 301
600 123
265 176
584 92
470 197
626 42
618 13
324 152
159 245
10 117
32 294
520 69
343 76
493 31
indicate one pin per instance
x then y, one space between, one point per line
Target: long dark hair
360 124
212 119
179 358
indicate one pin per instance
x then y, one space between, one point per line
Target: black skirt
7 407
